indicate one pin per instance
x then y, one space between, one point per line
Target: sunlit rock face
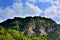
31 26
42 31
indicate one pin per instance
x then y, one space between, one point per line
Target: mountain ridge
33 26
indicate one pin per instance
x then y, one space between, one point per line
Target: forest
29 28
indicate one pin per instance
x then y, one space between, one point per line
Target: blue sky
23 8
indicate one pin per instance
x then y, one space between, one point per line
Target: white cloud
1 20
43 1
32 0
18 10
53 12
53 2
58 22
50 12
36 8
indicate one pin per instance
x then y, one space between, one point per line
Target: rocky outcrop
31 26
42 31
30 32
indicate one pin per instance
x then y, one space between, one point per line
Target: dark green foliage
15 29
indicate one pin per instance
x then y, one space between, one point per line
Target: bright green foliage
16 35
39 38
15 29
1 30
9 37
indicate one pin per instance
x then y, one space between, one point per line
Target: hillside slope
33 27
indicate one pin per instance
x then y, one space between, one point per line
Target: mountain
33 28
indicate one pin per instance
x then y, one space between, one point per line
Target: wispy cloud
23 8
52 12
18 10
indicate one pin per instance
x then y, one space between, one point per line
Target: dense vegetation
29 28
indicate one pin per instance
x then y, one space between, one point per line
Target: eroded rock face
30 32
42 31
